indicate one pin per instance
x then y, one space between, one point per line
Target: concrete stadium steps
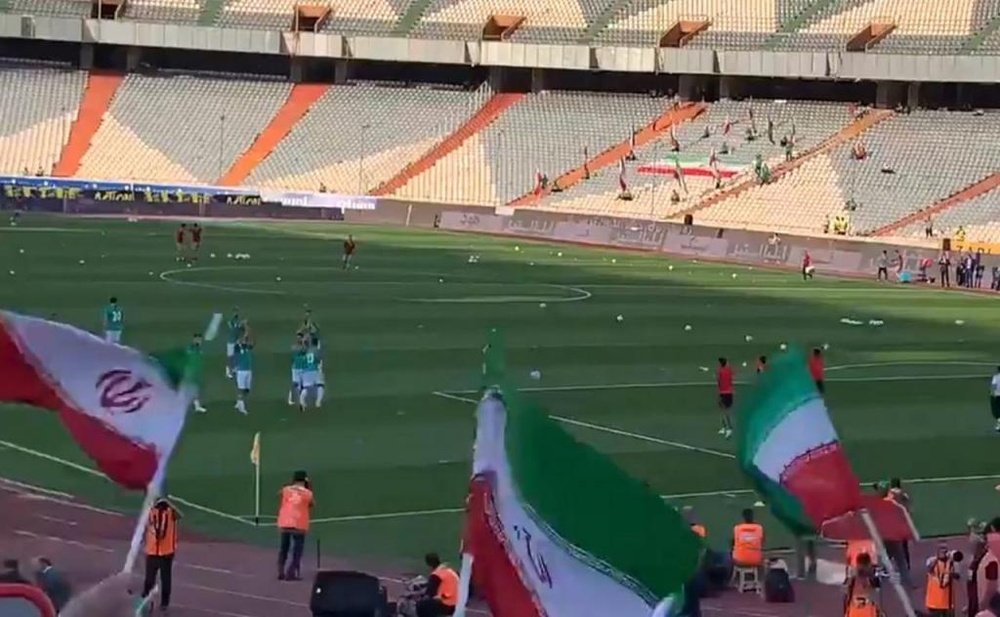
978 216
749 183
60 8
97 96
390 126
661 125
38 105
643 21
915 160
973 192
300 99
495 107
180 127
913 17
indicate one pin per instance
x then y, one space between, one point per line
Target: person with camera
942 576
861 593
293 523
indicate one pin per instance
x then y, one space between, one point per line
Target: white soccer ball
748 338
188 265
536 374
12 273
517 248
542 305
21 251
277 278
670 267
151 273
783 347
559 254
440 280
687 327
744 364
613 260
959 322
826 346
531 263
82 262
620 318
212 255
734 275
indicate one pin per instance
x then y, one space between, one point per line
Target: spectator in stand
52 582
988 571
944 261
995 284
929 227
11 573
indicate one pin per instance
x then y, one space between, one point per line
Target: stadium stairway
798 22
300 99
98 93
609 12
972 191
410 18
976 40
849 132
210 12
682 113
490 111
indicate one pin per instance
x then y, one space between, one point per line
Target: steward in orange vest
748 542
161 544
861 591
442 589
941 577
294 514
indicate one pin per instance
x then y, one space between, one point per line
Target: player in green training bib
194 351
311 380
237 328
243 361
114 321
298 364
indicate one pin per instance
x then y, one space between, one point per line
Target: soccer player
237 327
807 266
761 364
194 358
995 400
724 382
195 240
349 246
298 364
180 238
244 372
114 321
309 327
311 377
816 368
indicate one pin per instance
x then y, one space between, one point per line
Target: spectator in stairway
978 268
929 227
944 263
675 196
40 172
960 234
995 283
11 572
789 152
52 582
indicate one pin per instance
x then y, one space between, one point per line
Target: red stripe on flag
127 463
494 574
823 481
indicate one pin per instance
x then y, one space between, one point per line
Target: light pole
222 141
361 161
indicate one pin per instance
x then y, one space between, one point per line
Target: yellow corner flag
255 450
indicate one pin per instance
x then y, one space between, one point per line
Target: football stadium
543 307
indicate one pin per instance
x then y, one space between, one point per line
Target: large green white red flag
555 528
790 450
124 408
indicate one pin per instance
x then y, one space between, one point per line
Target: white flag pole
904 597
256 490
464 581
152 492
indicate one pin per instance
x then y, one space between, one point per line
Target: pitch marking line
612 430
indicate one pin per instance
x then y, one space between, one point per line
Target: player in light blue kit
243 360
114 321
237 329
298 364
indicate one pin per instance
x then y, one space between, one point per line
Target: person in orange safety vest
161 545
748 542
441 596
293 522
861 596
941 580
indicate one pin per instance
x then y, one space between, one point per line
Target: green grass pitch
910 397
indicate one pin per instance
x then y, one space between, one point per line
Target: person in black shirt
11 573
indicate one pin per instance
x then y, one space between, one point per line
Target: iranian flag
695 166
124 408
790 450
555 528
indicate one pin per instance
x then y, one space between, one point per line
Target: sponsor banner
696 246
468 221
582 233
319 200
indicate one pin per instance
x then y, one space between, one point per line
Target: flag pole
464 581
152 492
256 490
894 578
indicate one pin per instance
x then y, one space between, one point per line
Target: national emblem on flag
124 408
